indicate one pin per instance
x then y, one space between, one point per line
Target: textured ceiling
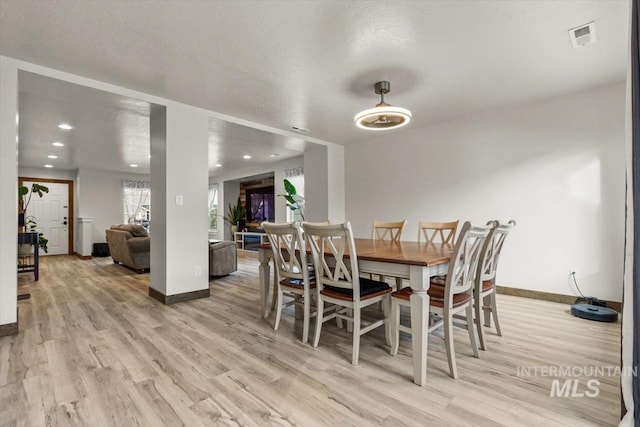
111 132
313 64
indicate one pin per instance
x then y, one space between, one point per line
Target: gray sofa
222 258
130 245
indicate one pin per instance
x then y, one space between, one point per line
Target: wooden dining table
416 262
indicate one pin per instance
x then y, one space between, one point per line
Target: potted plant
234 215
29 223
22 204
294 201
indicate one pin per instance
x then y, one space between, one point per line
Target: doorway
53 213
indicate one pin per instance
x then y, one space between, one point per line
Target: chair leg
395 326
486 303
307 316
494 312
471 330
350 323
478 322
274 299
319 320
278 293
448 343
356 335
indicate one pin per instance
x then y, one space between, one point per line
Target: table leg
36 258
264 271
419 322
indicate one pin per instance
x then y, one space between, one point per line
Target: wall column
179 211
324 183
9 196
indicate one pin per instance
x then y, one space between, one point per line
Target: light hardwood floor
95 350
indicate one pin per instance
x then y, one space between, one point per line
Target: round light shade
382 118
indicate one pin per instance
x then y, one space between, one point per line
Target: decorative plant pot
234 229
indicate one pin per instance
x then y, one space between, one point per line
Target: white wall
556 167
44 173
99 196
8 190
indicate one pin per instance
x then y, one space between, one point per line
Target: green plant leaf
289 187
290 199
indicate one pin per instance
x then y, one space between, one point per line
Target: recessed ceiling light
133 165
57 144
51 156
65 126
246 157
274 155
149 156
48 166
218 165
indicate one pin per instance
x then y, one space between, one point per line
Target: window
261 204
213 207
137 202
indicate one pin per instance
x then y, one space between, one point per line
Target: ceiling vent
299 129
583 35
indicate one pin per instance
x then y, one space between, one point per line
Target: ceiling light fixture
65 126
383 116
133 165
246 157
274 155
51 156
57 144
218 165
48 166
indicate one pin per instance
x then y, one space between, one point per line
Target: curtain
293 172
213 206
136 197
629 383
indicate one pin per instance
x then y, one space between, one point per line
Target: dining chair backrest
490 254
388 230
289 251
329 245
443 232
464 260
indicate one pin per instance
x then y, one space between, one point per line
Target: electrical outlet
198 271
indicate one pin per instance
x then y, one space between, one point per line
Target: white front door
51 212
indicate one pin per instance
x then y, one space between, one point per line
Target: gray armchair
130 245
222 258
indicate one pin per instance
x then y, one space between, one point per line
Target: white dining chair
444 232
339 283
455 297
294 278
485 281
382 230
